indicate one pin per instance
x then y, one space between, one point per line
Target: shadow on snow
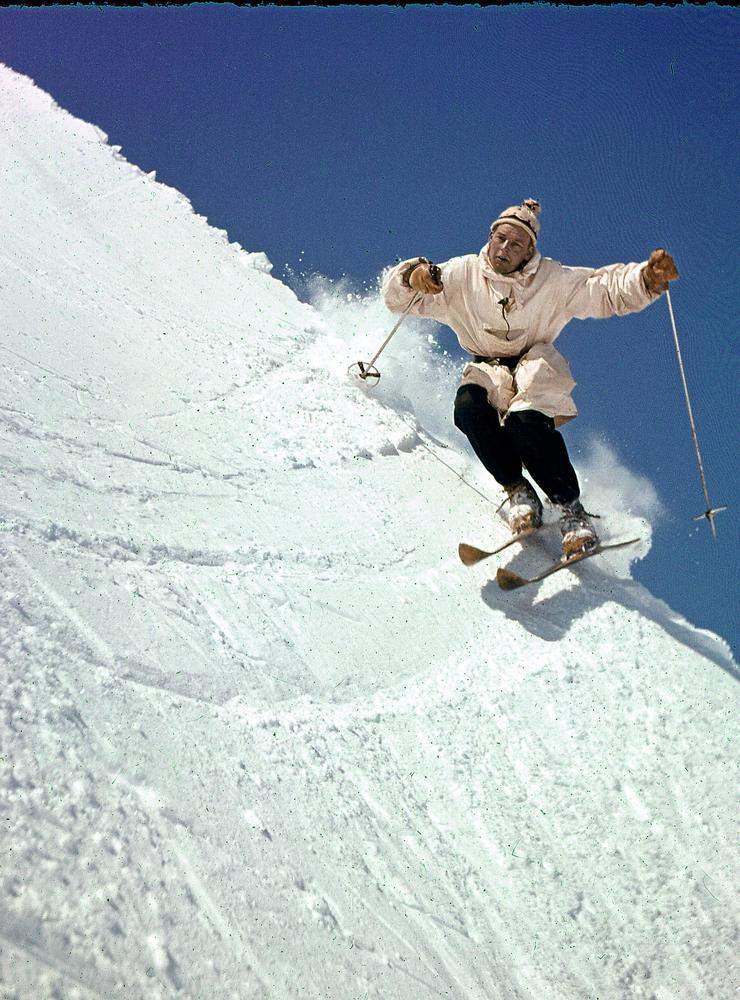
551 618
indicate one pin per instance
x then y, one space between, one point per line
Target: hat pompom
532 205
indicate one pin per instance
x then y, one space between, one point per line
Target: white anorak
519 315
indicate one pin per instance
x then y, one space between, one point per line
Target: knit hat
524 216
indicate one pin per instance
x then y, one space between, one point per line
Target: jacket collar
522 276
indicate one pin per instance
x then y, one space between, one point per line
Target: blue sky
340 139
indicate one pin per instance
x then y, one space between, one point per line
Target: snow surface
262 734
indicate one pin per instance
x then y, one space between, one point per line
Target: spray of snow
417 377
629 502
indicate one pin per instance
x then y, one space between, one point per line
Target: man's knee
471 402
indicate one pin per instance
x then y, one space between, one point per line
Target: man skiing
507 304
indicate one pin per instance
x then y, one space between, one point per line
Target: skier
507 304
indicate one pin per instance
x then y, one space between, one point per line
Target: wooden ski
510 581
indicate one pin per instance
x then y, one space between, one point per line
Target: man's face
508 247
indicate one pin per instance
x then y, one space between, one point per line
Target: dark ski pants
528 439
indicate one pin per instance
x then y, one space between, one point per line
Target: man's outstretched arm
617 289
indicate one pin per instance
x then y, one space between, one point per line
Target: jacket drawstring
504 303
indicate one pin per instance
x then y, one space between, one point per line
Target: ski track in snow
262 735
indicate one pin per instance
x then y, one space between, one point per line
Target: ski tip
469 554
508 580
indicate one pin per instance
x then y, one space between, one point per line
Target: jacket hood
522 276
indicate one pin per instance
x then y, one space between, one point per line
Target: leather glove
426 278
658 271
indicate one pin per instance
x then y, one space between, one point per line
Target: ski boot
576 529
525 509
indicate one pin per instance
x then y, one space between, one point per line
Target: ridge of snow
262 735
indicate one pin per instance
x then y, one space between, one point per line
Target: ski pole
710 512
366 370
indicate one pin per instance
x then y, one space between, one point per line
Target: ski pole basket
364 371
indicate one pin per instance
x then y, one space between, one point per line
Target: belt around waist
510 362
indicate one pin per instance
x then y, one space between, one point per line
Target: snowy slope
262 735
